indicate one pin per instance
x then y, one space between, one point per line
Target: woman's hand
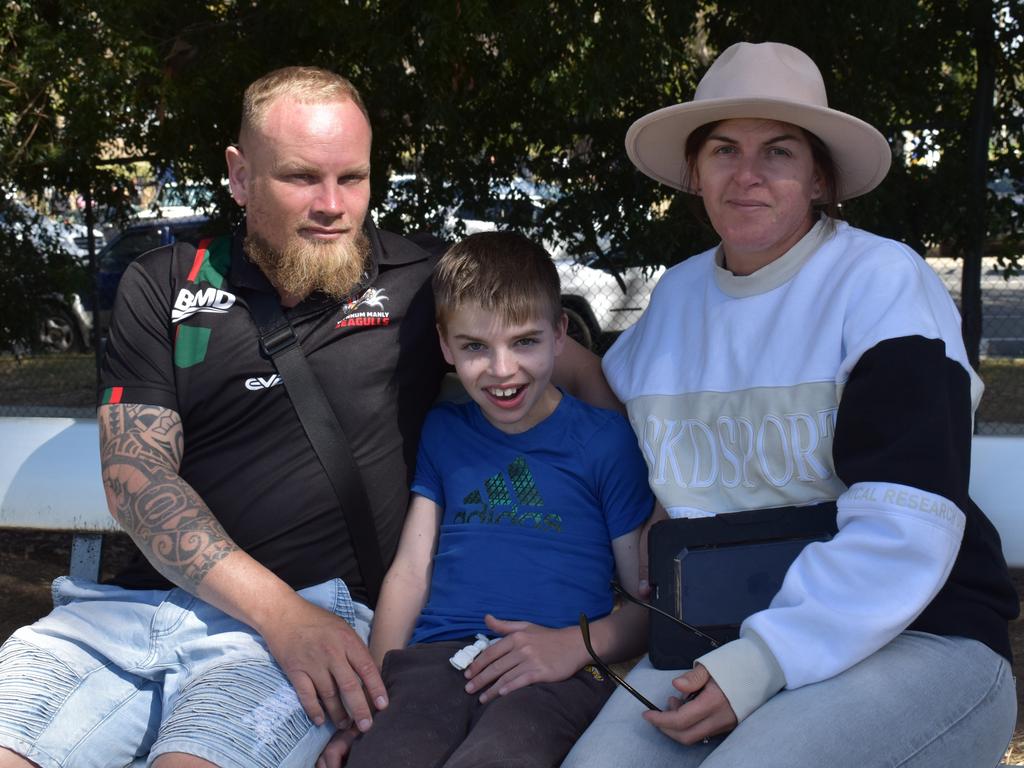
527 654
691 720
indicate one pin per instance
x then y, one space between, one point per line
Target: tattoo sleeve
140 450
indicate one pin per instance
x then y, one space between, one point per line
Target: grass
69 381
57 380
1004 390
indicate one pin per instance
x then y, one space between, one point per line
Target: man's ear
444 346
238 174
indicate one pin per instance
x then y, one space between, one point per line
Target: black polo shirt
182 338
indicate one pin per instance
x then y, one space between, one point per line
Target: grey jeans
432 721
922 701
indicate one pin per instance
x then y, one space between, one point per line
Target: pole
94 332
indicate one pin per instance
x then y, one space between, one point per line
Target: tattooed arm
140 451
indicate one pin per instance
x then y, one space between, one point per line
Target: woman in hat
804 360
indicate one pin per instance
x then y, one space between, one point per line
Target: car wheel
579 331
57 331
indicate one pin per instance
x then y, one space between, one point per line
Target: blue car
68 327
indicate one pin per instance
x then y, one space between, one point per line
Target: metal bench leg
86 549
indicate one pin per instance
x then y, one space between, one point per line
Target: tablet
713 572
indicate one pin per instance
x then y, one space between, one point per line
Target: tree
465 93
69 94
469 95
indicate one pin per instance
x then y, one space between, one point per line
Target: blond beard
303 266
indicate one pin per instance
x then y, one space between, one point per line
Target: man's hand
527 654
337 748
708 714
327 664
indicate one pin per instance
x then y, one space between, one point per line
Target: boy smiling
505 367
526 503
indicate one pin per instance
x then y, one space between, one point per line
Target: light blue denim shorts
116 677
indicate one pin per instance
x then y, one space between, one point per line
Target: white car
604 301
599 300
174 200
46 232
63 326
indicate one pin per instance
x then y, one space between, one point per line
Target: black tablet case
713 572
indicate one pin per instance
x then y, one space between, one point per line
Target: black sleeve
138 358
905 417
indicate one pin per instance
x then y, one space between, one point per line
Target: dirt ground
30 561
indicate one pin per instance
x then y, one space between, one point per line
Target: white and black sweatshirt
835 372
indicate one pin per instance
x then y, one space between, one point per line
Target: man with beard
237 637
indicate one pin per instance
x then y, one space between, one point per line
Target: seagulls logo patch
366 311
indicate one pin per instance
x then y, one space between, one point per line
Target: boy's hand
528 653
337 748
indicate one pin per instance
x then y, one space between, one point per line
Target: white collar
776 272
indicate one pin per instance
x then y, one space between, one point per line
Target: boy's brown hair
504 272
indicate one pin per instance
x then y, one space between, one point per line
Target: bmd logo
204 300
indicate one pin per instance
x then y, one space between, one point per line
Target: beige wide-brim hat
769 81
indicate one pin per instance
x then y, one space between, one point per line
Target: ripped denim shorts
116 677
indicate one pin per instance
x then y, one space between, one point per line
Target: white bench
997 485
50 480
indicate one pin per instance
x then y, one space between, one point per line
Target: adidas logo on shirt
503 504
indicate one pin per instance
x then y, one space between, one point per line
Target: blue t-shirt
528 518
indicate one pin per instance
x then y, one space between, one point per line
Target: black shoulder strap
278 340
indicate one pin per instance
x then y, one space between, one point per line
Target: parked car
603 299
174 200
47 232
64 325
599 295
58 317
67 325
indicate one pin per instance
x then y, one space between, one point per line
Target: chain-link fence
1002 343
600 304
48 384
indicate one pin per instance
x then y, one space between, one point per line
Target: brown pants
431 721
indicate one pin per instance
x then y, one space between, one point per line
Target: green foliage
465 94
77 86
469 94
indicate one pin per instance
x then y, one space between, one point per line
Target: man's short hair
306 85
504 272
